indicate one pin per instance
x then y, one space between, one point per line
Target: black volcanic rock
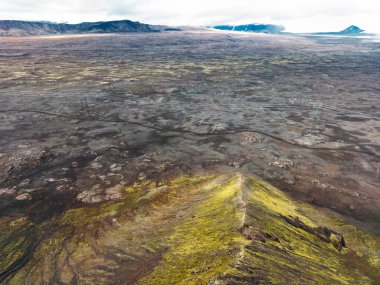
351 30
256 28
23 28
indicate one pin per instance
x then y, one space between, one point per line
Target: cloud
296 15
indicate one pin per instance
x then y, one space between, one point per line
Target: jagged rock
235 164
318 184
218 127
324 233
311 139
19 160
115 167
282 163
96 165
73 139
249 138
7 191
252 233
23 197
25 183
113 193
334 237
141 176
91 196
62 188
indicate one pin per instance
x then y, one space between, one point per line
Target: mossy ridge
206 245
130 202
191 234
292 255
93 244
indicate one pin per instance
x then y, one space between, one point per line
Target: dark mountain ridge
24 28
350 31
255 28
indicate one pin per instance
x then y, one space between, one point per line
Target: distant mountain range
24 28
350 31
256 28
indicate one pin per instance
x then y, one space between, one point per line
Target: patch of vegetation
205 245
202 230
92 244
289 254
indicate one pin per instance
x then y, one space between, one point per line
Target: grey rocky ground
81 115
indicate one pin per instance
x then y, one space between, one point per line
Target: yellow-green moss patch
226 229
204 245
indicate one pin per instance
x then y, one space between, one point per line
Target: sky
295 15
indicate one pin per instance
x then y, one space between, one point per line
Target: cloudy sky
295 15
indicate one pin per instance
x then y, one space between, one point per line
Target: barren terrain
84 118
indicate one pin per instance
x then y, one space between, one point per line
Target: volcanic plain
189 157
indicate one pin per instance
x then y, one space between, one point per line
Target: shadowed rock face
256 28
221 229
19 28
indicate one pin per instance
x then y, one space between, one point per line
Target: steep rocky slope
225 229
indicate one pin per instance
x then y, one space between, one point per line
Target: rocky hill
256 28
351 30
228 229
24 28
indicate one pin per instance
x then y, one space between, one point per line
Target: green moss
130 202
92 244
294 255
205 245
190 233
